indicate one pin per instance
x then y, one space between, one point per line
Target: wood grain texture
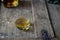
41 17
55 16
27 39
9 16
35 11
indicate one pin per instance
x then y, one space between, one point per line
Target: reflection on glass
10 3
22 23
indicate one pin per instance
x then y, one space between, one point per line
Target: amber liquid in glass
10 3
22 23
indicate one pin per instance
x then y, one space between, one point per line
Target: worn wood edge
27 39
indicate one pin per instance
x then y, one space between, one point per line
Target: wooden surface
28 39
35 11
55 16
9 17
41 17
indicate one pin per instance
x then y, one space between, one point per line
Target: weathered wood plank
55 16
36 13
9 15
29 39
41 17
